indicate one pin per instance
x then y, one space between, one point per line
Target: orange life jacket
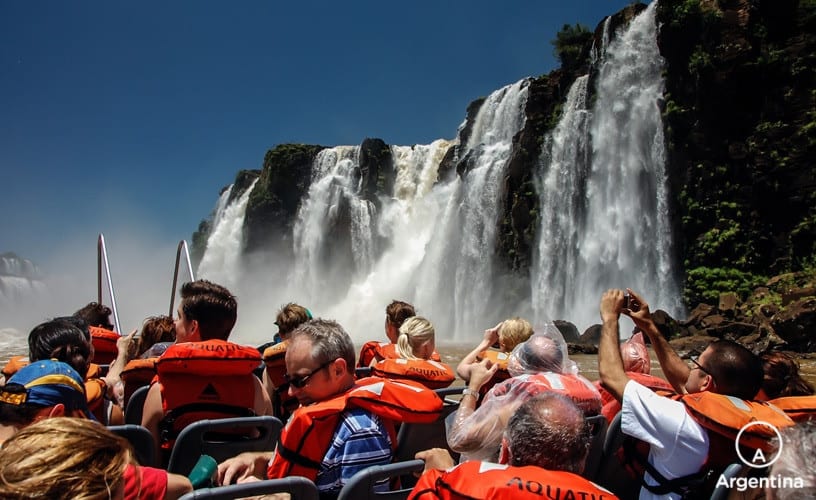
373 349
798 408
308 433
485 480
579 389
138 373
722 417
104 343
200 380
431 374
274 358
14 364
612 406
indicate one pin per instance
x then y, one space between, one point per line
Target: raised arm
491 336
610 364
674 368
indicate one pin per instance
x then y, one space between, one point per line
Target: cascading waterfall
603 213
561 184
478 197
622 233
221 262
321 255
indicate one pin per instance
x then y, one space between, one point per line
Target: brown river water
12 344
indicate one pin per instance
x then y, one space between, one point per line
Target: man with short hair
202 367
49 388
679 445
329 438
289 317
545 445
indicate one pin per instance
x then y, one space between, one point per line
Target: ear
339 367
504 455
58 410
708 384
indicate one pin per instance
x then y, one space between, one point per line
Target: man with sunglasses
320 362
679 446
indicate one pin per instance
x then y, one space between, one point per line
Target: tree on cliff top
569 45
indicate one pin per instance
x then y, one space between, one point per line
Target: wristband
470 392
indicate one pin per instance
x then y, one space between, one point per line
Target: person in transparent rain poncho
540 364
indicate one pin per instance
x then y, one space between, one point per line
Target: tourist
415 346
545 446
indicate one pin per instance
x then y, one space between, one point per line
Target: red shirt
145 483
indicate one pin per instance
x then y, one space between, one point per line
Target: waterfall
326 259
221 262
478 196
561 184
619 235
603 214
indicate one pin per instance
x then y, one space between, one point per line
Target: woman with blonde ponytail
416 345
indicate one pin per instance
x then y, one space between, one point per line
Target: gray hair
549 431
329 341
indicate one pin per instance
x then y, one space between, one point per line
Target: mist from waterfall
221 262
617 233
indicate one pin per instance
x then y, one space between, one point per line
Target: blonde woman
64 458
416 345
506 335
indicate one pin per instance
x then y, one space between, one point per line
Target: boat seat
207 437
298 487
362 484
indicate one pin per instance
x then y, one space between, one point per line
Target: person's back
374 351
97 316
203 375
416 345
544 451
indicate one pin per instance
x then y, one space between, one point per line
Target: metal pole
181 246
102 258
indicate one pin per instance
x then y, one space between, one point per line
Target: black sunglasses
697 365
299 381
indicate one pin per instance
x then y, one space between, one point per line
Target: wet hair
414 333
329 341
62 340
212 305
96 314
781 376
290 316
736 370
514 331
549 431
155 329
796 461
397 312
63 458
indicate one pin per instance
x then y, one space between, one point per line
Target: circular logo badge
759 460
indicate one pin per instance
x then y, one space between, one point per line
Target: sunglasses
300 381
698 366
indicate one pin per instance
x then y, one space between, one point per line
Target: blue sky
128 117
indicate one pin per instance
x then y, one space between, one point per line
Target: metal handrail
181 246
102 258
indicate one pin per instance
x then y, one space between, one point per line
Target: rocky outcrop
273 203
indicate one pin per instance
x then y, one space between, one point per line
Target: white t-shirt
678 446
